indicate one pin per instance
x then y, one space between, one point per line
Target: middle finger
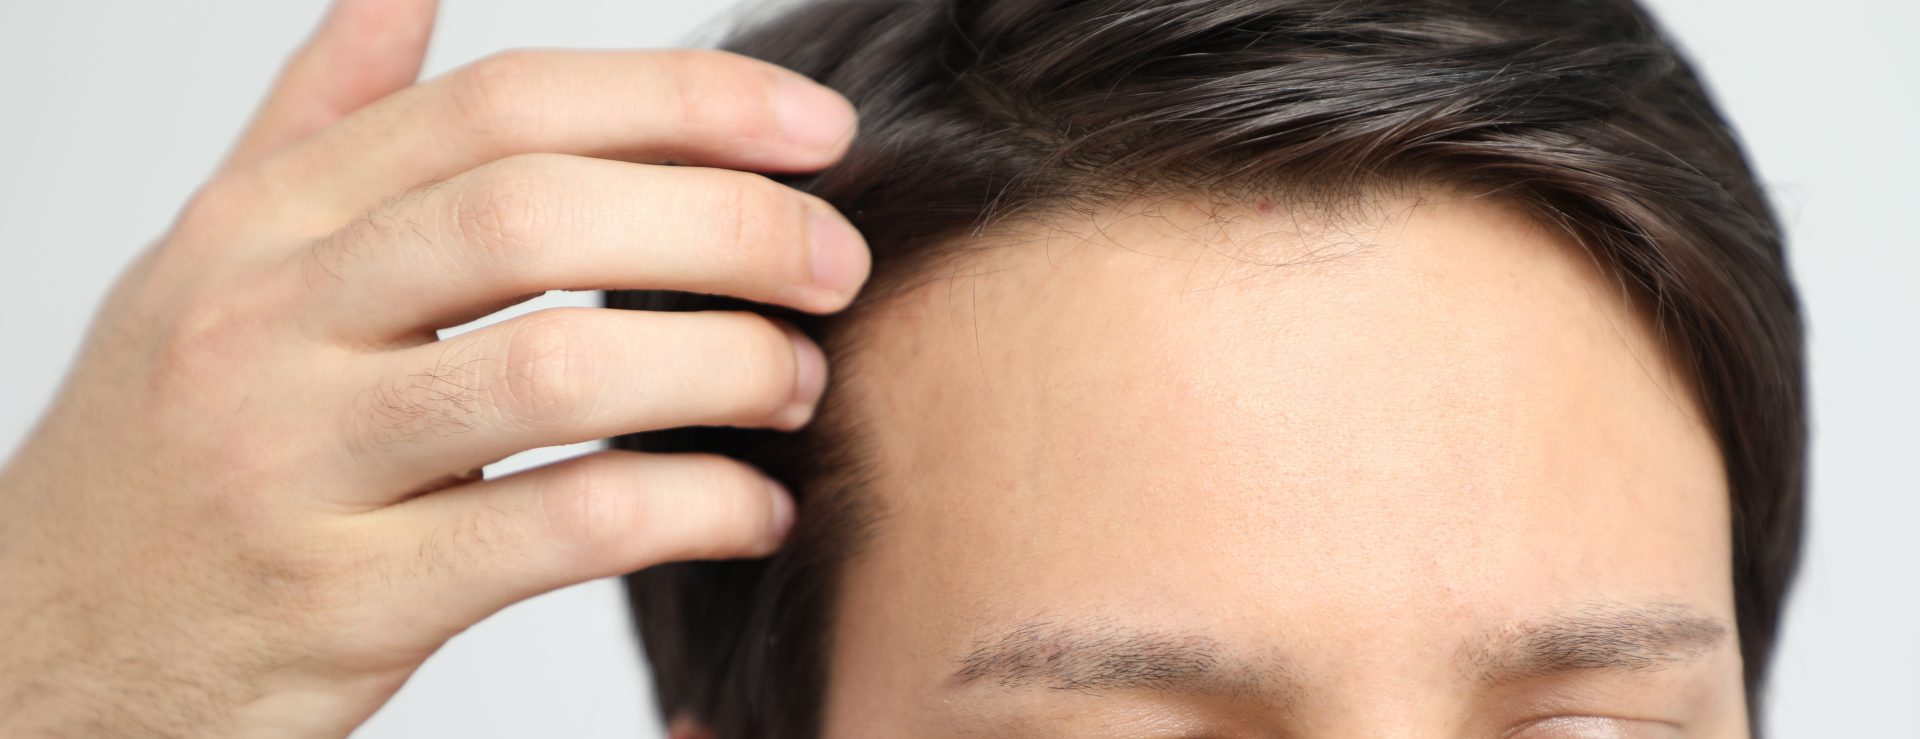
448 253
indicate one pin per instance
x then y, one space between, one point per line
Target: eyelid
1593 727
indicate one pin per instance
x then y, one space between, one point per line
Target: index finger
682 106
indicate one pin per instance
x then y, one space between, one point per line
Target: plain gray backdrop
112 111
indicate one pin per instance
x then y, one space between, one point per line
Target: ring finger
567 375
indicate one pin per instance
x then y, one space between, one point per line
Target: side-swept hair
1580 111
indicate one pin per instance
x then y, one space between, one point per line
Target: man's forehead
1462 390
1450 424
1443 328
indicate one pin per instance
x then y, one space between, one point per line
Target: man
1265 368
1175 447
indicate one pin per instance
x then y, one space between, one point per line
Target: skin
255 506
1172 490
1199 467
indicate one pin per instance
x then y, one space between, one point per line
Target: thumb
363 50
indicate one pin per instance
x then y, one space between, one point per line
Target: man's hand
254 507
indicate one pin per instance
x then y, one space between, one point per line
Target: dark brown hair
1579 111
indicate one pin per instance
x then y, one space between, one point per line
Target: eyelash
1583 727
1615 728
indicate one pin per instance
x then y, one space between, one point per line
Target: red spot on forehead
1264 205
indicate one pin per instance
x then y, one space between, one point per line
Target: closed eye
1594 727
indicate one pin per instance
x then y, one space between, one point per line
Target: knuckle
490 96
543 368
228 496
760 356
491 531
740 497
722 95
587 511
242 465
304 574
311 571
222 200
761 226
207 334
503 209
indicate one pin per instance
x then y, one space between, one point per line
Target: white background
112 111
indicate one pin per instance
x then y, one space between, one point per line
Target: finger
449 253
363 50
685 106
473 549
567 375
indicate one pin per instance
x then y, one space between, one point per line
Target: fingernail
840 257
782 520
810 379
812 115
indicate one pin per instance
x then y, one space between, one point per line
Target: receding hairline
1315 207
841 423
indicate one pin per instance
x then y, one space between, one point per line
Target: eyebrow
1638 637
1097 655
